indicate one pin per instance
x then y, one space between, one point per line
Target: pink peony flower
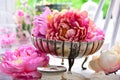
68 26
20 13
23 62
19 16
94 33
7 39
40 23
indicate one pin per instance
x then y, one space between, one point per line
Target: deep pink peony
69 25
23 62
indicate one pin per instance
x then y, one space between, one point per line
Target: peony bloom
68 26
23 62
94 33
108 61
20 15
40 23
7 39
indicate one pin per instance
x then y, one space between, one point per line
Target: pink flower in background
23 17
23 62
28 20
40 23
24 25
21 34
7 39
68 26
20 15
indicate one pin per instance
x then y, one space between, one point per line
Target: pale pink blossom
108 61
23 62
7 39
28 19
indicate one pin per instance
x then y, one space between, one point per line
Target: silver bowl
66 49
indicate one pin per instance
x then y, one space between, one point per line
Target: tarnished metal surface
67 49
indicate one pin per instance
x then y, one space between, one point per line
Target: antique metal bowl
66 49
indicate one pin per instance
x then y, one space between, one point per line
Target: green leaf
24 26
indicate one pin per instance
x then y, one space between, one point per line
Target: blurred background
73 3
10 9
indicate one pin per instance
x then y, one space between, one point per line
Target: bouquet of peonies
23 62
24 25
67 25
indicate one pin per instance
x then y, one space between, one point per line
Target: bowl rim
67 41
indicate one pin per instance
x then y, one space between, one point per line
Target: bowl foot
84 68
71 62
